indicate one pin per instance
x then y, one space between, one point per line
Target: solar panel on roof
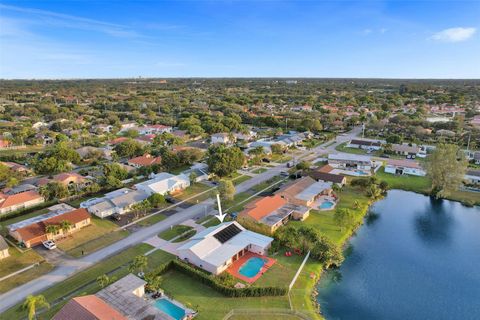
227 233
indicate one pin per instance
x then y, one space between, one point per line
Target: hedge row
214 283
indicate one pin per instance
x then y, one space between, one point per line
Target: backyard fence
266 312
298 271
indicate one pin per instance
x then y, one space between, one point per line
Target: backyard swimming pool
252 267
327 205
170 308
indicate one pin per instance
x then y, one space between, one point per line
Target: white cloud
454 34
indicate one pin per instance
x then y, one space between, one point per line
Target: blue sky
93 39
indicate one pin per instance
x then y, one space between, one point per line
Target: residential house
324 174
200 170
164 183
475 122
103 128
3 249
401 167
305 107
349 161
216 248
410 151
18 168
304 191
4 143
153 129
472 177
19 189
88 307
68 179
116 202
19 201
273 212
364 144
33 231
146 138
222 138
144 161
246 136
127 296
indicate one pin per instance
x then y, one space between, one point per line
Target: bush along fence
214 283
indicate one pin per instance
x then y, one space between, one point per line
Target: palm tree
32 303
65 226
140 262
52 228
103 280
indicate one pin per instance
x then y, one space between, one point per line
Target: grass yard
193 190
259 187
173 232
83 283
280 158
212 222
98 235
28 149
240 179
24 277
259 170
18 260
186 236
238 202
211 304
343 148
423 185
282 272
152 220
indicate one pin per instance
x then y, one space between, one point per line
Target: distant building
116 202
18 201
144 161
401 167
349 161
364 144
323 174
216 248
164 183
222 138
472 176
200 170
410 151
304 191
18 168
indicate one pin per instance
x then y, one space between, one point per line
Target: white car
49 244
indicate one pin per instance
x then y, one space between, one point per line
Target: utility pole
363 129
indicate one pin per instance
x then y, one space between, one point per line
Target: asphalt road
68 267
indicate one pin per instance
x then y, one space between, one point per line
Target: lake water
414 258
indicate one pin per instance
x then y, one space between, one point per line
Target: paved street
68 267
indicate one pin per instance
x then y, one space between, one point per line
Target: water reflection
371 218
434 224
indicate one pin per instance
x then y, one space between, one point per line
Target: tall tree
446 167
226 190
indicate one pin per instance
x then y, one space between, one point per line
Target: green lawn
211 222
261 186
83 283
343 148
24 277
152 220
193 190
186 236
211 304
241 179
91 238
259 170
238 202
173 232
280 158
423 185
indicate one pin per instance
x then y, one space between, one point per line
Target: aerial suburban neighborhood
231 160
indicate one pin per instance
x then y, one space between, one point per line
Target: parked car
284 174
266 160
49 244
169 199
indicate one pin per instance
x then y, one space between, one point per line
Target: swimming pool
327 205
170 308
252 267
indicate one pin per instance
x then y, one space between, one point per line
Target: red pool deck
233 269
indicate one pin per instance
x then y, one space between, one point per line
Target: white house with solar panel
216 248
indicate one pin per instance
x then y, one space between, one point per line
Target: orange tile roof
61 177
326 168
263 207
145 160
88 307
37 229
15 199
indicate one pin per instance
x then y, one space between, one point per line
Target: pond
414 258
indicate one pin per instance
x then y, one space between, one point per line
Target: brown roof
145 160
326 168
365 142
15 199
88 308
263 207
327 177
297 186
37 229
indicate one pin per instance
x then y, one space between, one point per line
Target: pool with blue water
252 267
170 308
